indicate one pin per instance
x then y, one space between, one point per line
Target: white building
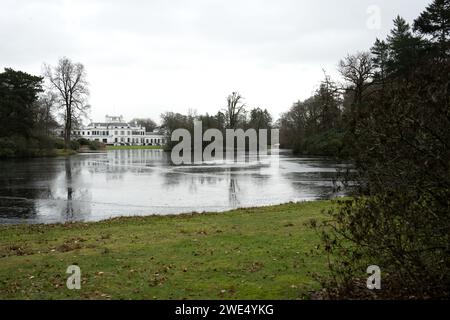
115 131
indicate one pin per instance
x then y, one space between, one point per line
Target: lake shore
62 152
134 147
256 253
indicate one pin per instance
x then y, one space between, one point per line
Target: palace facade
115 131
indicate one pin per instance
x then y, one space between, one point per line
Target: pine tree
435 23
381 56
404 47
18 94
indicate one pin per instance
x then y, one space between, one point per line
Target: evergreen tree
18 95
260 119
380 52
404 48
435 23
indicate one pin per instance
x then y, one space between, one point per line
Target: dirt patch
255 267
8 251
72 244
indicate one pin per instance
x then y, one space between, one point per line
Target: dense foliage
234 116
314 126
400 144
27 113
23 116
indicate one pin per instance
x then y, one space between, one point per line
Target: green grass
260 253
132 147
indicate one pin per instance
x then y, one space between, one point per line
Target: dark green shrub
74 145
7 147
59 143
83 142
328 143
95 145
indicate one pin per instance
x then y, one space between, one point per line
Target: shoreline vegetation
76 149
254 253
103 148
133 148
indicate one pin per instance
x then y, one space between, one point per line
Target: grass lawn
132 147
260 253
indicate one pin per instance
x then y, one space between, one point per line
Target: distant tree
313 126
294 124
212 121
435 22
45 119
221 120
328 100
147 123
357 70
68 81
171 121
260 119
234 110
18 94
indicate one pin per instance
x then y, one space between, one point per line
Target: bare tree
235 108
147 123
68 81
45 119
357 70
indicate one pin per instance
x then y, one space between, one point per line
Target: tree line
235 114
395 119
29 108
33 107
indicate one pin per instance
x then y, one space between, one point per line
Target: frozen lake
92 187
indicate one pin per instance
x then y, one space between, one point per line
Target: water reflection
92 187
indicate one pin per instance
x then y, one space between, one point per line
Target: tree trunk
68 128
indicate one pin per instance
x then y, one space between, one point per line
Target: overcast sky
147 57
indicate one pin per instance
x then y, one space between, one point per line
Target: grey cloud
160 41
